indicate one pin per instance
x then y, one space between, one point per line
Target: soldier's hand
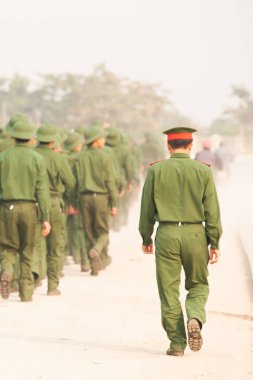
147 248
46 228
214 255
114 211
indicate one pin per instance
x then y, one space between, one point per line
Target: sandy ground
108 327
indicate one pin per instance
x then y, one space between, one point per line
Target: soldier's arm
148 210
212 212
110 182
66 174
42 191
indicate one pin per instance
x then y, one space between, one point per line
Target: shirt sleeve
42 191
148 209
212 213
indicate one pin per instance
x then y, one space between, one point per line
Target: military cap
22 130
72 141
94 133
179 133
112 136
47 133
80 130
14 118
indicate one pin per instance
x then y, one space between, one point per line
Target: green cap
179 133
22 130
14 118
94 133
47 133
80 130
113 136
72 141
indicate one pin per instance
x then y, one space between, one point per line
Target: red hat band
180 136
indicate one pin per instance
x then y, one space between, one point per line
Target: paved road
108 327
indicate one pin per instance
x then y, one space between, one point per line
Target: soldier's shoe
85 268
26 299
53 292
37 283
5 287
96 264
94 273
174 353
195 339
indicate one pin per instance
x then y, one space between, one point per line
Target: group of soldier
60 193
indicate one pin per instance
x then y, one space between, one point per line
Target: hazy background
196 49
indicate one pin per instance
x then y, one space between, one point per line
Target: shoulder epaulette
205 163
152 163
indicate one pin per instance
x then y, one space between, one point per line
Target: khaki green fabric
94 173
17 229
180 190
95 214
178 246
59 173
60 179
23 177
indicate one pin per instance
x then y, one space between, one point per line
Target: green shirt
23 177
59 172
180 190
94 173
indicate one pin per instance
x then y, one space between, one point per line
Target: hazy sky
195 48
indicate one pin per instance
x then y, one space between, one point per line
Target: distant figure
207 156
226 157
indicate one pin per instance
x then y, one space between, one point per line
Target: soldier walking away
96 187
60 179
179 194
23 182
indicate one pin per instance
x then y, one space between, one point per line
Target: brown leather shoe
174 353
54 292
84 268
195 339
5 287
94 273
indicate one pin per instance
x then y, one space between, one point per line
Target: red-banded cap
179 133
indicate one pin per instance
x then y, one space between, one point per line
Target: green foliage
71 100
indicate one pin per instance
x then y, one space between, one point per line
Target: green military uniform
60 179
23 182
97 192
179 194
76 235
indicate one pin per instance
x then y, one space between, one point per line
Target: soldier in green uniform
76 236
23 182
179 194
97 192
60 179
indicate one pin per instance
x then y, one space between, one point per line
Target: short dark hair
21 141
175 144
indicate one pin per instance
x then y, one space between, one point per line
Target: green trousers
17 229
54 243
95 215
176 247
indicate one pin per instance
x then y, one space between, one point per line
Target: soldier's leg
195 259
168 269
16 276
85 264
88 212
101 222
27 225
9 245
54 253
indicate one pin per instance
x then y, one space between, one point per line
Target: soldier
60 179
97 191
76 236
179 193
23 182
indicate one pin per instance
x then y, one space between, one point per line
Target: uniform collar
43 146
23 145
180 155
